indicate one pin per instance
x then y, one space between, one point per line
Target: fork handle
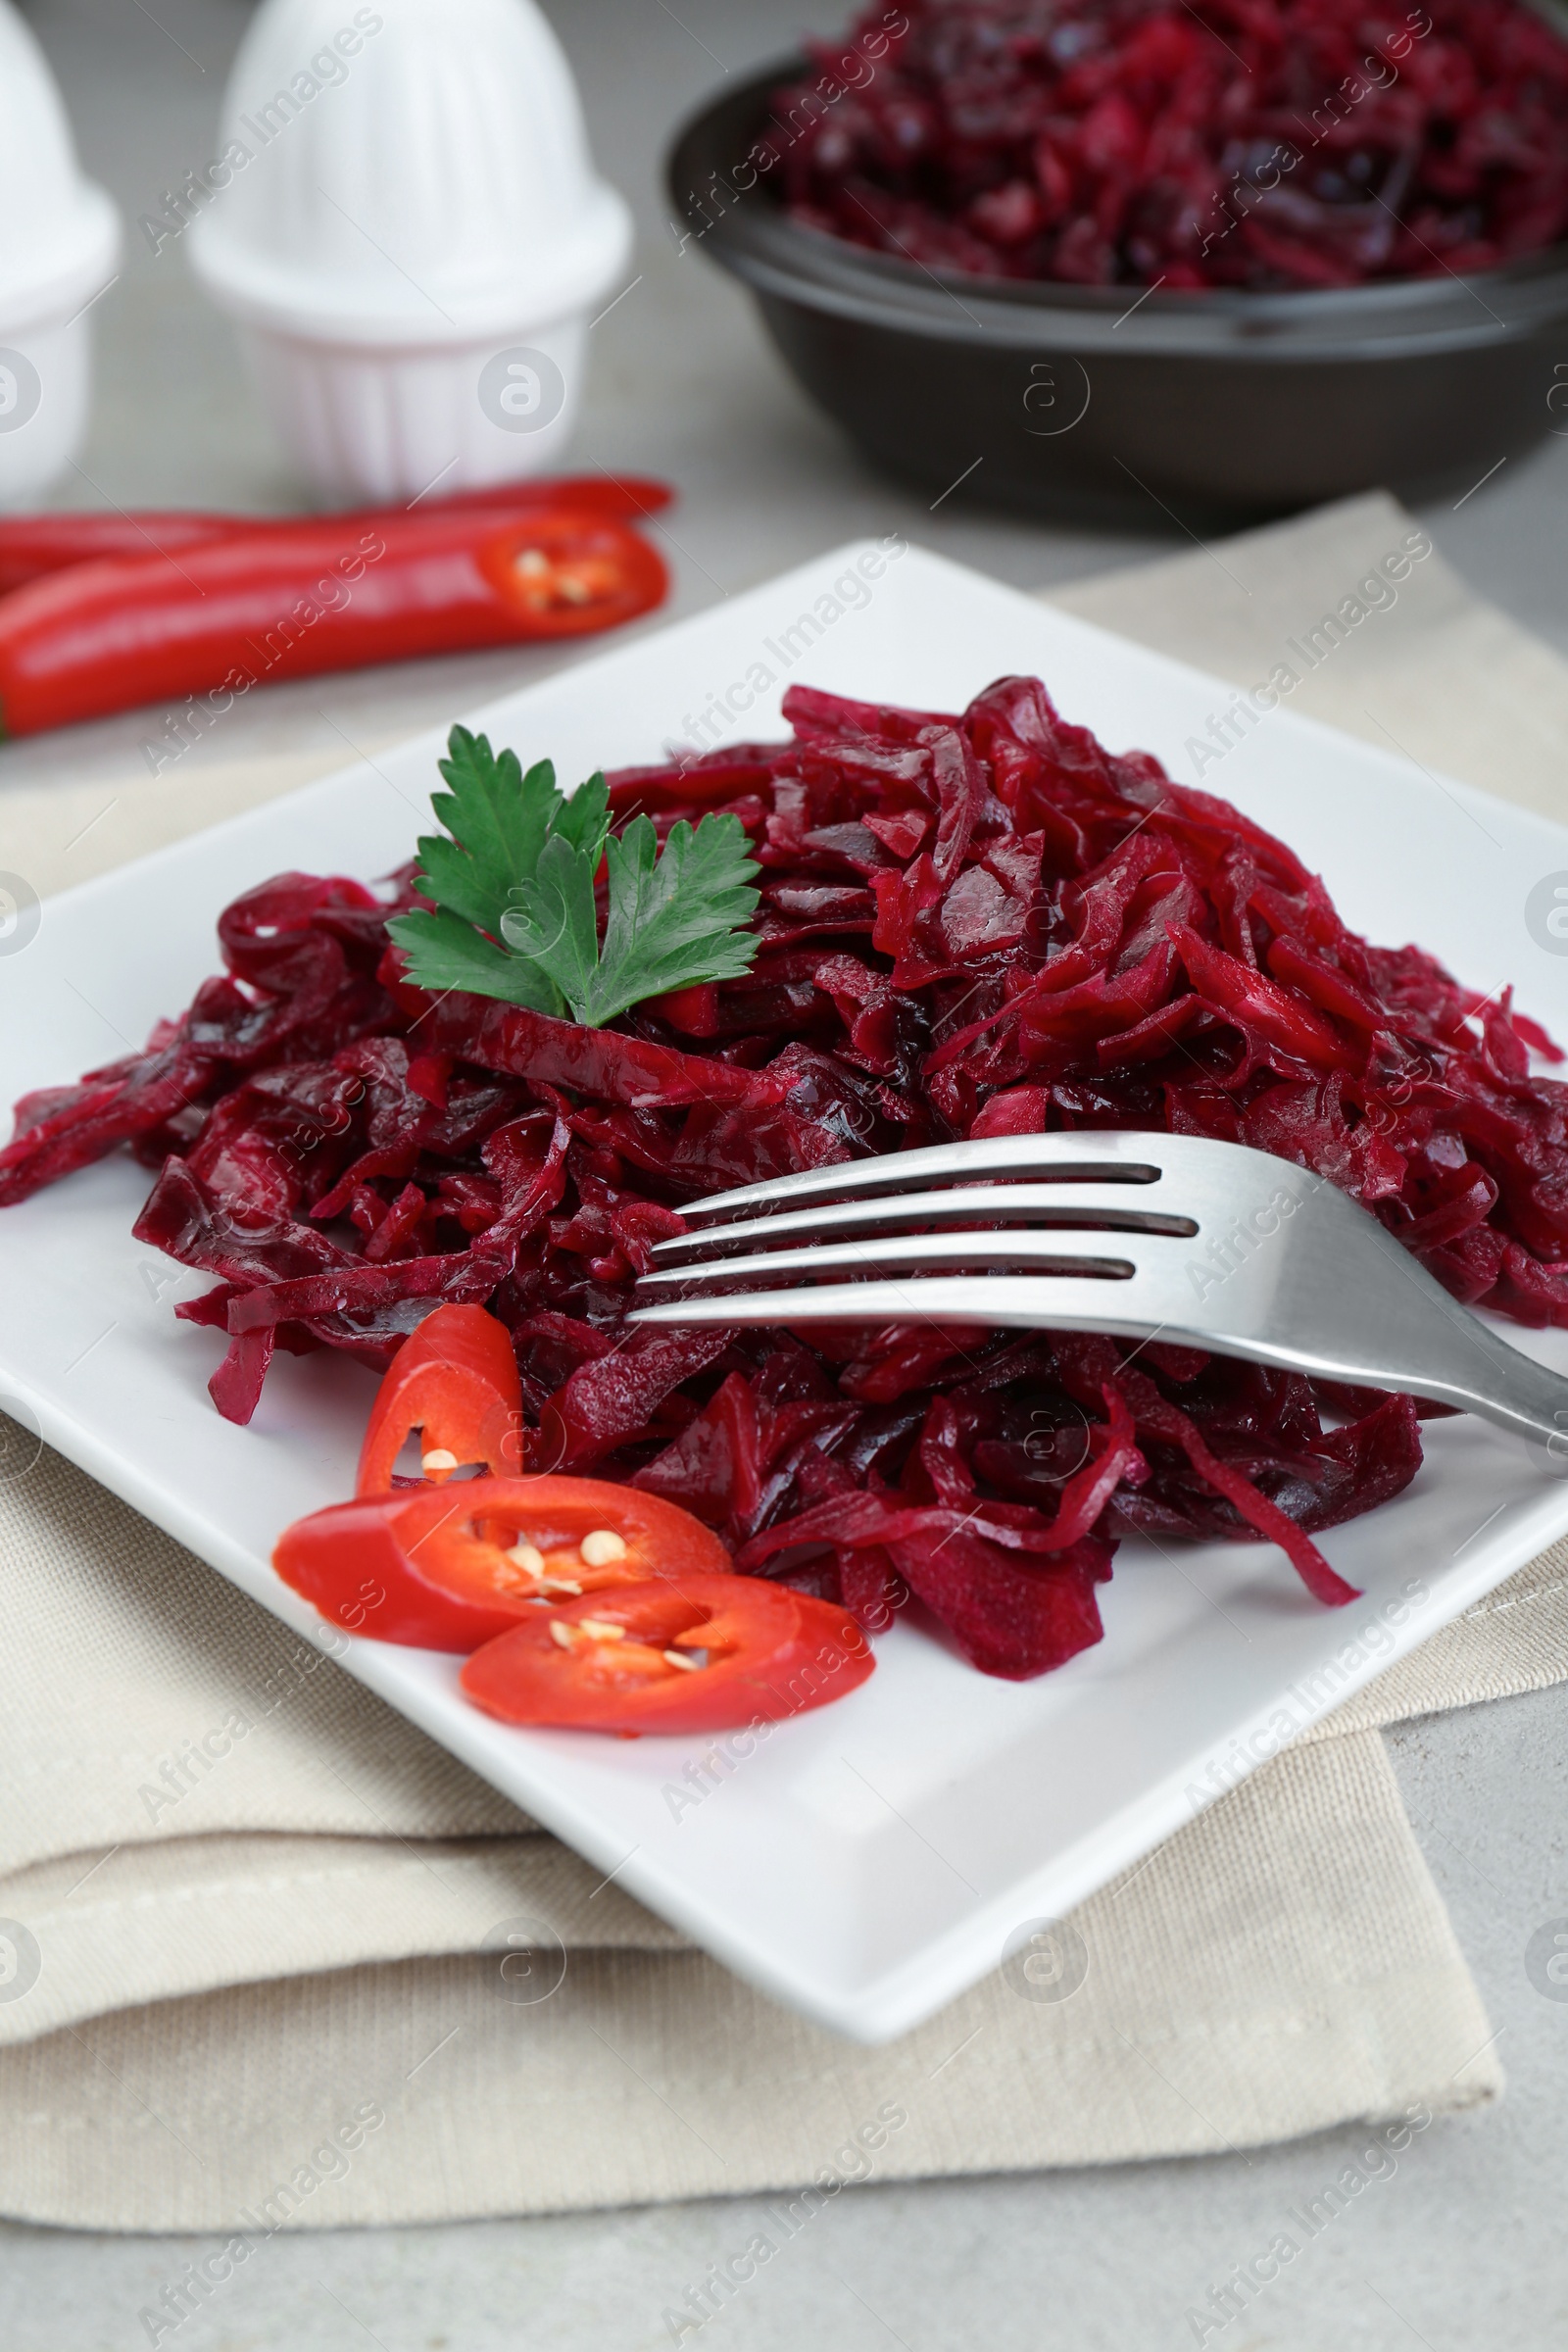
1506 1386
1413 1335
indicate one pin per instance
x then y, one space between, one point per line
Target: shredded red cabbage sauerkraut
1184 142
973 925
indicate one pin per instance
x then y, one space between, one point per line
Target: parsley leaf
497 818
674 918
498 822
552 922
515 912
444 953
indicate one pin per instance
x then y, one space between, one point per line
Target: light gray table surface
1467 2243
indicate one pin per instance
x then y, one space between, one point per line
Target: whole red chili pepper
337 593
32 545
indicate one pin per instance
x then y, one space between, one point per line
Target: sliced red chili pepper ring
454 1379
691 1655
449 1567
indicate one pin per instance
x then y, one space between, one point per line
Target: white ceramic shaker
59 240
412 238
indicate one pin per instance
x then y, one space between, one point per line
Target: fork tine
1040 1253
1289 1270
1116 1207
1103 1156
1060 1304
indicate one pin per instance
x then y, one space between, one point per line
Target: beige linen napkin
1384 641
264 1989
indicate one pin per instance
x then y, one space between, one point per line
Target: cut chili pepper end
566 573
544 584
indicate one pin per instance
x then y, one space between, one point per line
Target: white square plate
870 1860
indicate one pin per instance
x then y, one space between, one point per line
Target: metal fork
1146 1237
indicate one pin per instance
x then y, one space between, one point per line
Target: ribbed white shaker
412 237
59 240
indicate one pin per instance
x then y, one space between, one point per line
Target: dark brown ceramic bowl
1087 402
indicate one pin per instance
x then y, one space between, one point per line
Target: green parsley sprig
513 912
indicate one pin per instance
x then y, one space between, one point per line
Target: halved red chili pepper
449 1567
32 545
454 1379
693 1655
290 601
